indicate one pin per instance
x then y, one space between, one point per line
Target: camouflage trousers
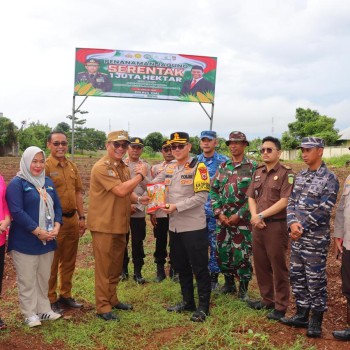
308 272
234 250
213 263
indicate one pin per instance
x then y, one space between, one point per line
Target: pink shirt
4 210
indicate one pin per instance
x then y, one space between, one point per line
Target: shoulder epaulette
286 167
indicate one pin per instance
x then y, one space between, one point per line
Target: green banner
149 75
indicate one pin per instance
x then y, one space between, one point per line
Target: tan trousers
108 253
33 272
63 263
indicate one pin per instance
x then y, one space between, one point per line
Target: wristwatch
261 216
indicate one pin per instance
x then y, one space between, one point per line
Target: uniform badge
275 178
111 173
291 179
204 173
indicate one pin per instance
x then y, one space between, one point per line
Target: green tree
63 126
288 141
154 140
195 140
89 139
310 123
8 132
34 135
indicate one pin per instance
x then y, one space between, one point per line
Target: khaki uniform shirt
267 188
187 193
108 213
141 188
67 182
342 216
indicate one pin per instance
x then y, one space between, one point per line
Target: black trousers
2 265
190 256
161 235
138 234
345 273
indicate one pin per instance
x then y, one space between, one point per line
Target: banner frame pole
74 111
211 116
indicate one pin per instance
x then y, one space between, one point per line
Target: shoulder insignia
291 178
201 179
193 162
286 167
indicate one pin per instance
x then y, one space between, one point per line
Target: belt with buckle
274 220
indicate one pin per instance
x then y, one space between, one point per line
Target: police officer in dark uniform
92 75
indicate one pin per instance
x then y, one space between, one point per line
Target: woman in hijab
4 223
37 215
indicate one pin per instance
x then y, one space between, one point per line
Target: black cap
179 137
136 141
92 60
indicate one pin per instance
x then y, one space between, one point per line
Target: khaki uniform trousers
64 259
108 252
33 272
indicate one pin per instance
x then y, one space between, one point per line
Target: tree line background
307 123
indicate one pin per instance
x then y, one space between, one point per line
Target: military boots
229 287
315 325
299 320
160 273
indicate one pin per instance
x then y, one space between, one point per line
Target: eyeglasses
166 149
136 147
268 150
117 144
57 143
174 147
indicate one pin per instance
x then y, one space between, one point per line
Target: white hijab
38 182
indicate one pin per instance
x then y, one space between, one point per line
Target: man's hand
133 209
144 200
223 220
169 208
255 220
338 246
153 220
82 227
233 220
296 230
141 168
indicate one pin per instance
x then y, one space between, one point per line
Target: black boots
137 275
214 281
160 273
229 287
315 324
243 290
299 320
125 274
182 307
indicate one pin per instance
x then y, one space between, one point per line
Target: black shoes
299 320
123 306
243 290
315 325
160 273
259 305
275 315
108 316
69 302
229 287
182 307
199 316
139 279
342 335
55 307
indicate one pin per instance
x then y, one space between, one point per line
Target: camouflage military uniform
228 197
310 204
212 164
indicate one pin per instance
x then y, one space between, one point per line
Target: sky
273 57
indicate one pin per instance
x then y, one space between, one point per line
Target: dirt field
335 318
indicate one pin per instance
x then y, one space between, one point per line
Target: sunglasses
136 147
174 147
166 149
268 150
57 143
117 144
